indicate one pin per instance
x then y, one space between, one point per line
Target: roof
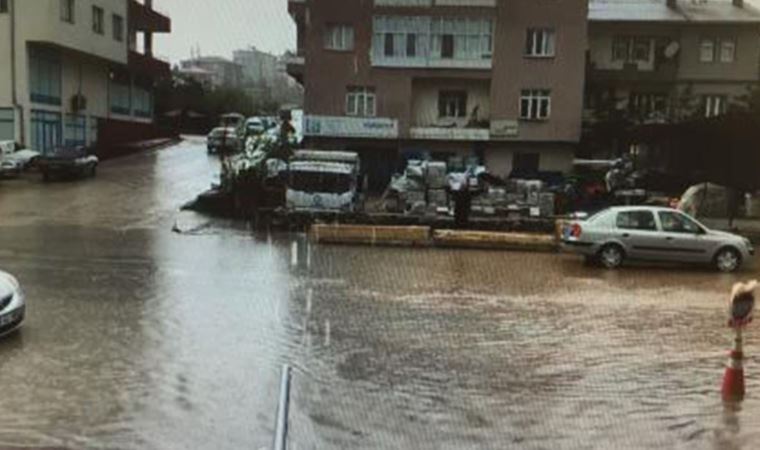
686 11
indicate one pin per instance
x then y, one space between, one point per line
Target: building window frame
714 105
540 43
46 130
631 49
45 77
707 50
117 22
68 11
727 51
7 122
4 7
361 101
535 104
452 104
75 130
98 20
339 37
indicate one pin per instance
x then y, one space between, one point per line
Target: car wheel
611 256
727 260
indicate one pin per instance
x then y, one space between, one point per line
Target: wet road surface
141 338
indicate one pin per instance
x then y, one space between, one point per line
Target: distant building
69 65
213 71
259 68
663 61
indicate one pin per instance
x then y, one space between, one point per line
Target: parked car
654 234
12 304
254 126
68 162
223 138
14 158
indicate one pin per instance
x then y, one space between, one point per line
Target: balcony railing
351 127
427 3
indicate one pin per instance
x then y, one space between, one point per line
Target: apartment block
69 65
498 80
658 62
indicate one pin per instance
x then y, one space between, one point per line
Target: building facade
669 61
516 83
72 64
213 71
498 80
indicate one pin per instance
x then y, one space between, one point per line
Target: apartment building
213 71
670 60
498 80
68 65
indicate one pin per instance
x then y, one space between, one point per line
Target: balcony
660 72
450 134
145 18
148 65
295 67
350 127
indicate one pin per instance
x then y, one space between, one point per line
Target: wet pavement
139 337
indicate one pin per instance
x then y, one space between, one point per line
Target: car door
637 230
684 238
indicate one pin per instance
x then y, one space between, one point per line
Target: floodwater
139 337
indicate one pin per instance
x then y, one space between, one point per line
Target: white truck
324 182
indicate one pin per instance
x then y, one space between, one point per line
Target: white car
14 158
12 304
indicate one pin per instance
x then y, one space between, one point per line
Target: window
93 130
535 104
121 102
411 45
360 101
118 28
3 6
423 38
678 223
525 163
636 220
647 103
631 49
727 50
707 50
75 131
339 37
45 77
45 131
389 45
142 102
67 10
539 42
97 19
452 104
7 124
714 105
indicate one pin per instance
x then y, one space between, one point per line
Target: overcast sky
221 26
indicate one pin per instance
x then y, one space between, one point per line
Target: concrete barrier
370 235
495 240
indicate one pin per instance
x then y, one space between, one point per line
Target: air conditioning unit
78 103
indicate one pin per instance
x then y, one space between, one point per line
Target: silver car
653 234
12 304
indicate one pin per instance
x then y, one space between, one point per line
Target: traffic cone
733 377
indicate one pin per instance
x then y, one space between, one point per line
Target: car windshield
320 182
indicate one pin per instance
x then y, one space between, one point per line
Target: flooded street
138 337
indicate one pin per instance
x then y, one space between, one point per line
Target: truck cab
323 182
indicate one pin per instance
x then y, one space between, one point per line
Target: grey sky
221 26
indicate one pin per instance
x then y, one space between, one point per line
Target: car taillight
576 230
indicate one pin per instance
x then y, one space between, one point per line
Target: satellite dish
672 49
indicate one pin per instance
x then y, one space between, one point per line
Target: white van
323 182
